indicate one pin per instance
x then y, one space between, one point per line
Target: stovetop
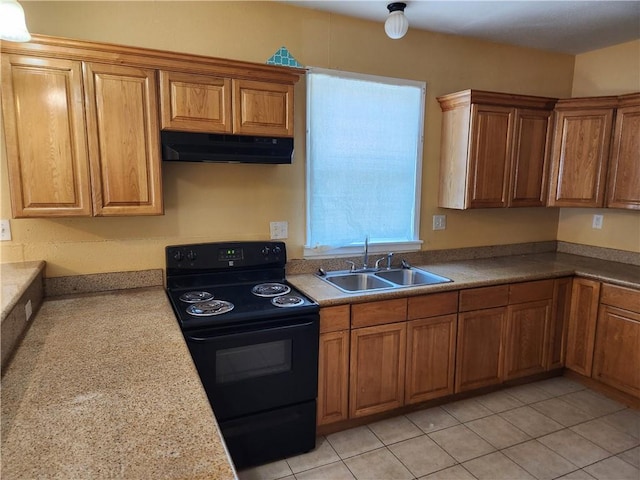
246 306
221 276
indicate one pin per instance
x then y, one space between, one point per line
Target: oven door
258 367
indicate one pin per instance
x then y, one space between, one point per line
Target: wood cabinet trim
432 305
530 291
467 97
621 297
483 297
58 47
335 318
378 313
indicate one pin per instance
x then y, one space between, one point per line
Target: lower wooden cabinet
377 369
616 359
557 338
581 331
528 317
431 350
479 356
333 365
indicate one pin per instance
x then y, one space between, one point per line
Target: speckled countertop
103 386
481 272
15 276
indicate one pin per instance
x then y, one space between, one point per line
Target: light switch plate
279 230
5 230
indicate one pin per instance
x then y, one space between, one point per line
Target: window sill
355 250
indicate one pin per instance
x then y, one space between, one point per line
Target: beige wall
210 202
608 71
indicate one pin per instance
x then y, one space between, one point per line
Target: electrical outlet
597 222
439 222
279 230
5 230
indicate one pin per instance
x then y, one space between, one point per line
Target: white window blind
364 151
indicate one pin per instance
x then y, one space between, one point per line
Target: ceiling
569 26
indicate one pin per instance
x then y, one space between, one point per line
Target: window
364 153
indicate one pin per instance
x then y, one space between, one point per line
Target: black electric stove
254 341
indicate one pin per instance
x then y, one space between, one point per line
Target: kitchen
239 201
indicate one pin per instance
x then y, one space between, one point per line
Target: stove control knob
277 250
265 251
178 256
191 255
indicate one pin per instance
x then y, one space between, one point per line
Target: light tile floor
550 429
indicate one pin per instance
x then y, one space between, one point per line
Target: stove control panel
225 256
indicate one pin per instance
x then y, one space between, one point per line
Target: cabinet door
377 369
557 336
431 347
617 349
195 103
529 160
479 356
585 295
124 143
261 108
333 377
580 157
624 170
48 163
526 345
489 157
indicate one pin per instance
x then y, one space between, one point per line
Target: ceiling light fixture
12 23
396 24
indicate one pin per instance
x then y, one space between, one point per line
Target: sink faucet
388 256
366 253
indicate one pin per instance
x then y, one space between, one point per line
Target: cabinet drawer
333 319
485 297
621 297
530 291
432 305
378 313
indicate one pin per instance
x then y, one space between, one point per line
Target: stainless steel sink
350 282
357 282
411 276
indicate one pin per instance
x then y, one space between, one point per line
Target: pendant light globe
396 25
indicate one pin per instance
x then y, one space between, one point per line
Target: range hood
206 147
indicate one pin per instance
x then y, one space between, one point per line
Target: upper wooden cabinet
124 143
45 128
206 103
261 108
494 150
195 103
580 152
623 186
82 120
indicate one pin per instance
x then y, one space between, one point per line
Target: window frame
356 248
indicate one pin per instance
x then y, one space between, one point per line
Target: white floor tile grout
557 388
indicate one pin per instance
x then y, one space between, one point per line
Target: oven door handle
210 338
